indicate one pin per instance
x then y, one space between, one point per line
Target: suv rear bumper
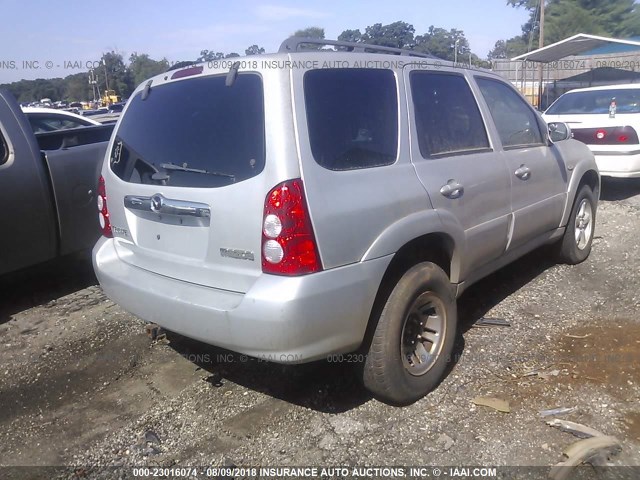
280 319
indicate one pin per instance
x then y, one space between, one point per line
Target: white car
50 119
607 119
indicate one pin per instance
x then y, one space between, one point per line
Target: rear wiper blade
181 168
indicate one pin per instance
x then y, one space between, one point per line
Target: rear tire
413 340
575 245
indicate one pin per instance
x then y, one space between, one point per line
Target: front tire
413 340
575 245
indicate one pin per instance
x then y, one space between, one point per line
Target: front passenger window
515 120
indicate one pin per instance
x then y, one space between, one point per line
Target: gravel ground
81 384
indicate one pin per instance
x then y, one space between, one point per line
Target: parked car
116 107
106 117
607 119
344 211
91 113
50 120
47 188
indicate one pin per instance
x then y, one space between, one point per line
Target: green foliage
442 43
564 18
310 32
436 41
77 88
567 18
181 64
115 75
254 50
32 90
396 34
353 36
142 67
508 48
124 77
209 56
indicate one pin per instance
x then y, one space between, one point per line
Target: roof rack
292 44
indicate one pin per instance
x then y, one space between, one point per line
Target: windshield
596 101
193 133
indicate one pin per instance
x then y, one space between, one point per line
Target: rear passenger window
447 117
352 117
515 120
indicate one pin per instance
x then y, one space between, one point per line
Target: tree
254 50
508 48
77 88
564 18
353 36
181 64
567 18
396 34
142 67
616 18
442 43
499 50
119 77
209 56
311 32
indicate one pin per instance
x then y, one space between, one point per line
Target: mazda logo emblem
157 201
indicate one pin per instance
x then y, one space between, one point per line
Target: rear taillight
103 211
288 242
606 136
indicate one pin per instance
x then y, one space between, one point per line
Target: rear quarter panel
355 213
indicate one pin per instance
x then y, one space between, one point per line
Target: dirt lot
81 383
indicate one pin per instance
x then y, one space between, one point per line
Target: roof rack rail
292 44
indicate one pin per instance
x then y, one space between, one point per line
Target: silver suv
313 203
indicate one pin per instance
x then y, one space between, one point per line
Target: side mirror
559 131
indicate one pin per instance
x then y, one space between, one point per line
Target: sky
56 38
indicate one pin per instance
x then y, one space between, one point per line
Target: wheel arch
432 230
436 247
588 176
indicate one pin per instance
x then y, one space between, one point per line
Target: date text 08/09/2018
317 472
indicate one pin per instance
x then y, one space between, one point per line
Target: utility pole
540 45
93 81
455 51
106 77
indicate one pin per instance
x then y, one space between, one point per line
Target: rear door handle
452 189
523 173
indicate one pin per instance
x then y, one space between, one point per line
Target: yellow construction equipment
109 97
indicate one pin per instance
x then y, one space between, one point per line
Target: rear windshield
352 116
597 101
193 133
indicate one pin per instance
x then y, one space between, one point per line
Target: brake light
606 136
187 72
288 242
103 211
